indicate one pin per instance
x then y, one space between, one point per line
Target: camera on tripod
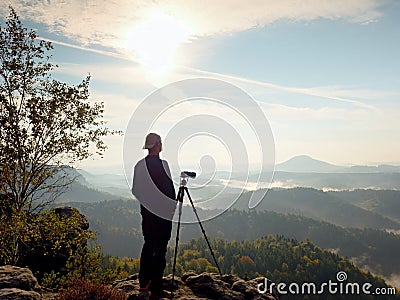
186 174
181 193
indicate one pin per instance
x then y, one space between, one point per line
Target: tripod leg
202 229
180 201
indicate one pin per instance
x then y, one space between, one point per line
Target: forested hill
359 208
119 232
383 202
280 259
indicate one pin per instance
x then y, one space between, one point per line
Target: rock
186 275
36 256
68 211
212 287
130 286
241 287
203 286
16 277
261 280
17 294
18 283
48 295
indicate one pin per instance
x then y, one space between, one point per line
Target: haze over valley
335 207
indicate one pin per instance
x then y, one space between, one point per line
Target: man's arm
170 189
137 184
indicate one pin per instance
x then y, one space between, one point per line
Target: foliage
278 258
118 223
83 289
383 202
53 246
66 247
114 268
13 235
46 124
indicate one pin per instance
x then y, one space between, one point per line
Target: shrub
83 289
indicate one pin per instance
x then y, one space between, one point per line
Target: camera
186 174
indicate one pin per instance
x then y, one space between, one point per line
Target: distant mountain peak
302 156
305 163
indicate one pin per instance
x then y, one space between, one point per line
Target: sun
155 41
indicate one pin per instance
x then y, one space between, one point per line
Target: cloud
118 108
330 93
232 16
102 52
326 114
110 73
350 115
108 23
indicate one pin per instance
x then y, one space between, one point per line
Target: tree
46 125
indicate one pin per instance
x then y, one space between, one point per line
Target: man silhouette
153 187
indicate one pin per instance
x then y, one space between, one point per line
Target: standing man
153 187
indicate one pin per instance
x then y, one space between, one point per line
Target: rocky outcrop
68 211
18 283
42 255
204 286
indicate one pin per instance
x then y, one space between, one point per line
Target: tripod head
185 175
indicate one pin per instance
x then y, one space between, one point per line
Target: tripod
182 189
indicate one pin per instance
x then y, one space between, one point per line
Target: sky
325 74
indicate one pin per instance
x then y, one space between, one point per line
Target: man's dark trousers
156 233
